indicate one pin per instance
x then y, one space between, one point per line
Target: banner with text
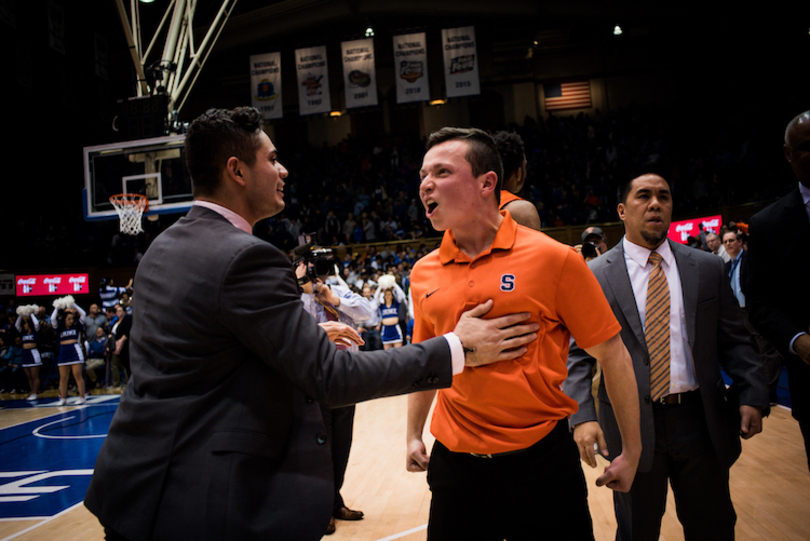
460 62
359 74
680 231
410 62
53 284
265 80
313 80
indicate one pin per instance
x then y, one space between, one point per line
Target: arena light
617 30
439 101
335 114
369 32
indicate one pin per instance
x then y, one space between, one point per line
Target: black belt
674 399
496 455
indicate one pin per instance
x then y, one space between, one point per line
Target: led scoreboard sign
681 231
52 284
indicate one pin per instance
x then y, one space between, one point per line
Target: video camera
320 261
590 250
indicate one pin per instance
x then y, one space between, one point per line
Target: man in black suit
737 270
681 325
219 434
778 269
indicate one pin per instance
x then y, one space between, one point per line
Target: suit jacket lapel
690 275
618 280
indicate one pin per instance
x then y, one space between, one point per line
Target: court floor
48 454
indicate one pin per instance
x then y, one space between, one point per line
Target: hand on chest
460 287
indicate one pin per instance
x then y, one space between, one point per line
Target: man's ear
786 150
620 210
233 167
489 182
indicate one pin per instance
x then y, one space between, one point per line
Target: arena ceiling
524 39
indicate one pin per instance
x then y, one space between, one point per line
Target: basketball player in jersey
513 157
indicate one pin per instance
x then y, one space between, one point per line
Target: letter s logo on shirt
508 282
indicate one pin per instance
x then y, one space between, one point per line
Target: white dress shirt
682 365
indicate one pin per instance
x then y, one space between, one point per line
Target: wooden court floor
770 487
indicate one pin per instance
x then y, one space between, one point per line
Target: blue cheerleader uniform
70 353
390 334
31 356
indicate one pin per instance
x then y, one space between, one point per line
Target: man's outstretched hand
488 341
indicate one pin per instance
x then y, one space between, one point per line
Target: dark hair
216 136
482 155
512 151
653 166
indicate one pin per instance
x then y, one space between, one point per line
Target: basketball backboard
154 167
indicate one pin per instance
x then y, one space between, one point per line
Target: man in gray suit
219 435
680 337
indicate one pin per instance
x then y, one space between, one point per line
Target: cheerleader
390 300
68 319
28 326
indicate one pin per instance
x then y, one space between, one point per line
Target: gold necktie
656 329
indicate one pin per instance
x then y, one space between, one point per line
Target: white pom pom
27 310
387 281
63 303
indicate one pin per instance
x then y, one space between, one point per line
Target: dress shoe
344 513
332 527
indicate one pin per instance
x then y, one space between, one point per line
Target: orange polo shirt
507 197
509 405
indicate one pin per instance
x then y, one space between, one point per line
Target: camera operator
594 243
327 298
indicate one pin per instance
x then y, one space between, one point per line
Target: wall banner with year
410 63
460 62
359 73
313 80
265 80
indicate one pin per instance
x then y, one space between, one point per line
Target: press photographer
328 299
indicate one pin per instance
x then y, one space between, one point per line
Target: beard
654 238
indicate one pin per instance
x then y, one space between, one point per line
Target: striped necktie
656 329
331 314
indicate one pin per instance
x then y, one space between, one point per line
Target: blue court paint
47 463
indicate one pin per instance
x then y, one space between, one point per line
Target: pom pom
64 303
387 281
27 310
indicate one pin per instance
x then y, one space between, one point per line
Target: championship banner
410 63
359 73
265 80
460 62
313 80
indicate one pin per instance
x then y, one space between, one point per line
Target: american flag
575 95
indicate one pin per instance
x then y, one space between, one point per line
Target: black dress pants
339 424
538 493
684 457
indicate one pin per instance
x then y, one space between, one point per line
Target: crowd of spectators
360 269
365 189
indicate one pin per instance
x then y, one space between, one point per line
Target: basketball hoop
130 208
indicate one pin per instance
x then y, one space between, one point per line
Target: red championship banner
52 284
681 231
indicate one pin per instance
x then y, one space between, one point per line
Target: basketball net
130 208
